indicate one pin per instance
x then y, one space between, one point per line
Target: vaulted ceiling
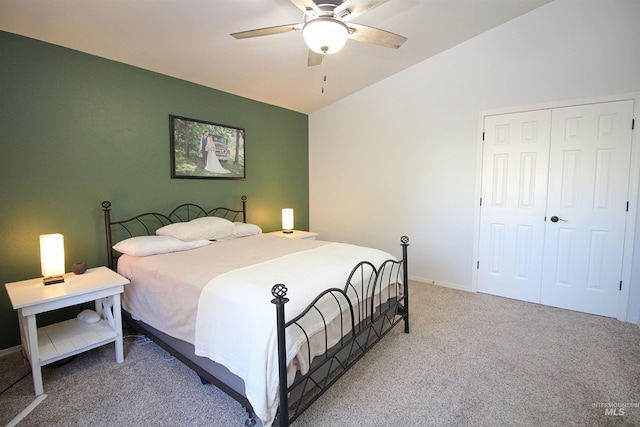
189 39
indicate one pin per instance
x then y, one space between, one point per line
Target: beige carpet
470 360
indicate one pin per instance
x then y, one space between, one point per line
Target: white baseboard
9 350
444 285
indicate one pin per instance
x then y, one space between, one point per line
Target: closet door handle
556 219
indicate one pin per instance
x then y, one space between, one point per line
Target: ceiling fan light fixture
325 35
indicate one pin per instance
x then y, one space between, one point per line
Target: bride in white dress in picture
213 164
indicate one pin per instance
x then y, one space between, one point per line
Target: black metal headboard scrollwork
147 223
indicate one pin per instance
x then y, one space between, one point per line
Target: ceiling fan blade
314 58
375 36
353 8
267 31
306 6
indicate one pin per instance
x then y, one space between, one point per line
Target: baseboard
10 350
443 284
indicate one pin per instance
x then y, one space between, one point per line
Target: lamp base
287 231
52 280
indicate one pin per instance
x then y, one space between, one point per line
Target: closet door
587 207
514 194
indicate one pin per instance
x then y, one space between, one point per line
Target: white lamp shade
287 219
52 254
325 35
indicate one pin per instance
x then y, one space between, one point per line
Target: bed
271 321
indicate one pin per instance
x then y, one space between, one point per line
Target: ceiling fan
326 27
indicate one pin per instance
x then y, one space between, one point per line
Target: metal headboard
146 224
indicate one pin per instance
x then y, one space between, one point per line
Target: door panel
588 182
514 192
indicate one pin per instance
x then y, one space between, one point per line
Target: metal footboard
371 303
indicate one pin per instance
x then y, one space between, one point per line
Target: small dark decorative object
79 267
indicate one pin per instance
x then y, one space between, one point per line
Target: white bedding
221 294
225 318
164 289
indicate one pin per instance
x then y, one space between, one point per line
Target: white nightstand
60 340
297 234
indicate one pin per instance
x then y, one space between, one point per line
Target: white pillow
152 245
205 228
243 230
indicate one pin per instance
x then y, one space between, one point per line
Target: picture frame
192 142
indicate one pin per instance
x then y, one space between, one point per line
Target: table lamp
52 258
287 220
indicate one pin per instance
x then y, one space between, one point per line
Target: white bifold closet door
554 205
514 196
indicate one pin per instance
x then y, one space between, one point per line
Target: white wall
399 157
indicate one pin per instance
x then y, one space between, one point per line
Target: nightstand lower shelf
68 338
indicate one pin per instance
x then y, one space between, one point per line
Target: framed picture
206 150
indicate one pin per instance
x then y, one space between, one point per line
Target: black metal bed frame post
279 293
405 271
106 207
244 208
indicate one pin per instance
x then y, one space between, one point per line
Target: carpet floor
470 360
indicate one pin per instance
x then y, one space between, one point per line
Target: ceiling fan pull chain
324 77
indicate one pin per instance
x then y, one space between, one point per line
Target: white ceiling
189 39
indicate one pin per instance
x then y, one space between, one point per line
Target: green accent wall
76 129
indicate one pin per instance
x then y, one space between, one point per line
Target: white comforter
247 325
